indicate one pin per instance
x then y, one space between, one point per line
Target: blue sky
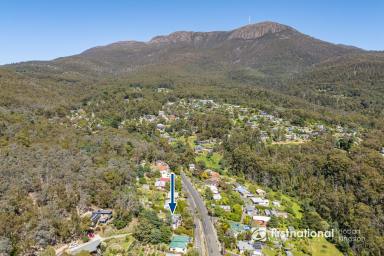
42 30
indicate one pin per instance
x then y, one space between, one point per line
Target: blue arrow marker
172 203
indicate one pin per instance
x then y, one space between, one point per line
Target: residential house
160 127
149 118
214 177
213 174
282 215
165 179
199 149
291 136
163 168
160 184
214 189
179 244
260 201
288 252
95 218
261 192
250 210
276 203
161 165
217 197
161 89
176 221
226 208
321 127
172 118
261 220
258 249
243 191
101 216
246 247
161 113
236 228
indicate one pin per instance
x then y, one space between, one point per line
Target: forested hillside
53 165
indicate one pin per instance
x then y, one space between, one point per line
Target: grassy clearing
292 203
315 247
321 247
210 162
119 246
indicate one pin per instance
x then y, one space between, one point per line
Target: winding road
211 242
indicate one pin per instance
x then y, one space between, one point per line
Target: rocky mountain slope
268 47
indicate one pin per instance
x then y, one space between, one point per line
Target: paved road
90 246
210 236
199 241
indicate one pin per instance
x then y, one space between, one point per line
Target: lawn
315 246
119 246
269 251
294 205
321 247
210 162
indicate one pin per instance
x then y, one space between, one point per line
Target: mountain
269 48
70 136
265 55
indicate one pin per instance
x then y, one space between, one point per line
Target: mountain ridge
270 48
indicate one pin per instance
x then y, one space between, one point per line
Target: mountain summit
249 32
254 31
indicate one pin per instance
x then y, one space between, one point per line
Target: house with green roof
237 228
179 244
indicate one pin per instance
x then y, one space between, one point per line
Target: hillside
267 47
299 117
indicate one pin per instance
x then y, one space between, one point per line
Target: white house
216 196
160 184
214 189
165 174
160 127
263 220
260 192
260 201
226 208
245 246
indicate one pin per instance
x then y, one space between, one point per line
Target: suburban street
199 241
209 233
